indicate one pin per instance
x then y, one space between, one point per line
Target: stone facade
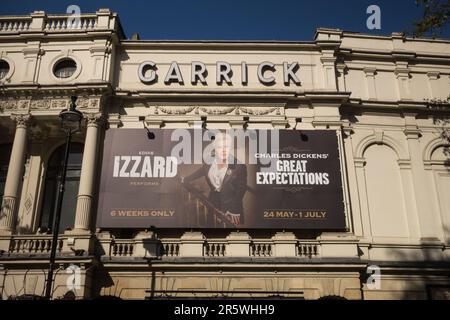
386 96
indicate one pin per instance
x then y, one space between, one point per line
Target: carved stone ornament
260 111
174 110
94 119
216 110
40 104
21 119
8 104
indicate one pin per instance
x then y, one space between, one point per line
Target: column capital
433 75
197 124
114 120
153 123
32 52
237 124
22 119
280 124
94 119
370 71
402 72
341 67
328 60
347 128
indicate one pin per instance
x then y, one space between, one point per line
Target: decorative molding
260 111
174 110
8 104
431 146
217 110
294 189
46 103
39 104
84 102
379 137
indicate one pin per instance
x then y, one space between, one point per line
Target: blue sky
237 19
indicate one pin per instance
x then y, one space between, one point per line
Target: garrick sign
266 71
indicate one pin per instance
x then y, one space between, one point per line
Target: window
5 154
4 68
52 179
65 68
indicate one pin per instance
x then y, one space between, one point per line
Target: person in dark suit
226 179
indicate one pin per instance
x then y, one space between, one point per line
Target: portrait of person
226 179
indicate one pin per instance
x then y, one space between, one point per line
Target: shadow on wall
410 274
103 285
24 287
422 274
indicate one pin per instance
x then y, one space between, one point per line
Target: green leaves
435 17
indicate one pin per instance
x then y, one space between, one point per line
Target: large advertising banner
195 178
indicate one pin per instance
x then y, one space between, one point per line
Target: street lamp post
70 123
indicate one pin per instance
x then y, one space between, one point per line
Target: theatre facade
342 190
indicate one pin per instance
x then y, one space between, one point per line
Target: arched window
52 179
385 192
5 154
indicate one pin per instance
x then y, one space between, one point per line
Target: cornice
400 105
228 45
206 94
57 89
393 55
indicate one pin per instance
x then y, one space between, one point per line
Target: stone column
15 173
88 173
